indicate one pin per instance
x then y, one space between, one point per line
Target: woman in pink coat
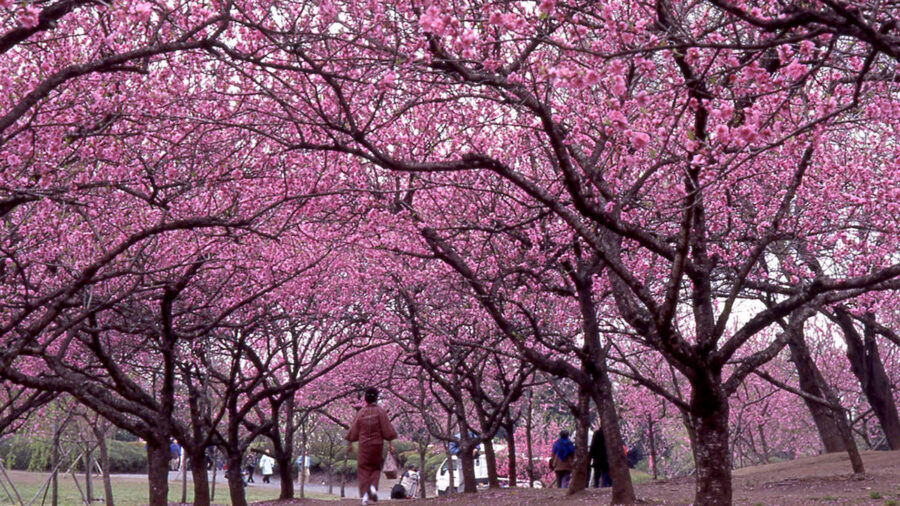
370 427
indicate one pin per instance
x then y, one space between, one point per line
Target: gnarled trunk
467 463
158 471
579 478
807 374
866 364
104 461
200 476
490 460
623 489
235 478
511 454
286 474
709 416
529 441
619 474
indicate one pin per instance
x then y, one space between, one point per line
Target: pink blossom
387 81
29 17
747 133
432 21
806 47
616 118
723 134
619 86
639 140
795 70
641 98
143 11
547 6
724 112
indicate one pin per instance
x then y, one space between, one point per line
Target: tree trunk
422 450
54 463
344 477
158 470
451 473
183 478
529 445
200 476
619 474
807 372
582 461
89 473
652 447
866 364
709 413
104 461
284 451
622 488
285 472
235 478
302 475
840 420
511 454
467 463
490 459
856 462
215 473
764 443
303 451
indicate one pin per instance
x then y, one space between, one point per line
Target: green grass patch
638 477
127 491
875 495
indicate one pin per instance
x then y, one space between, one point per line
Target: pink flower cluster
29 18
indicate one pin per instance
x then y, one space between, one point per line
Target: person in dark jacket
250 465
562 459
599 462
371 427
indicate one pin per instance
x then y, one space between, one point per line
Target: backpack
398 491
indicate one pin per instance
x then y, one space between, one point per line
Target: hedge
31 454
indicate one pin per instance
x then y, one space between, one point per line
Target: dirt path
824 479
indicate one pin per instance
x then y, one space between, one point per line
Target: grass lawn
127 491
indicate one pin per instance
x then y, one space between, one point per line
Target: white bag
390 466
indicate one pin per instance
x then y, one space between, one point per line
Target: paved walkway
315 485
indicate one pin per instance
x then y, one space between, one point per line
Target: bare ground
824 479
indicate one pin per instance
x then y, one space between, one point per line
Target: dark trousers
601 478
562 478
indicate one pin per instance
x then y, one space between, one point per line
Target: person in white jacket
266 467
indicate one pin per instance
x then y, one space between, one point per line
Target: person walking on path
599 463
250 465
371 427
562 460
266 467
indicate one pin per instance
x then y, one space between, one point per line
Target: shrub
32 454
126 457
25 454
